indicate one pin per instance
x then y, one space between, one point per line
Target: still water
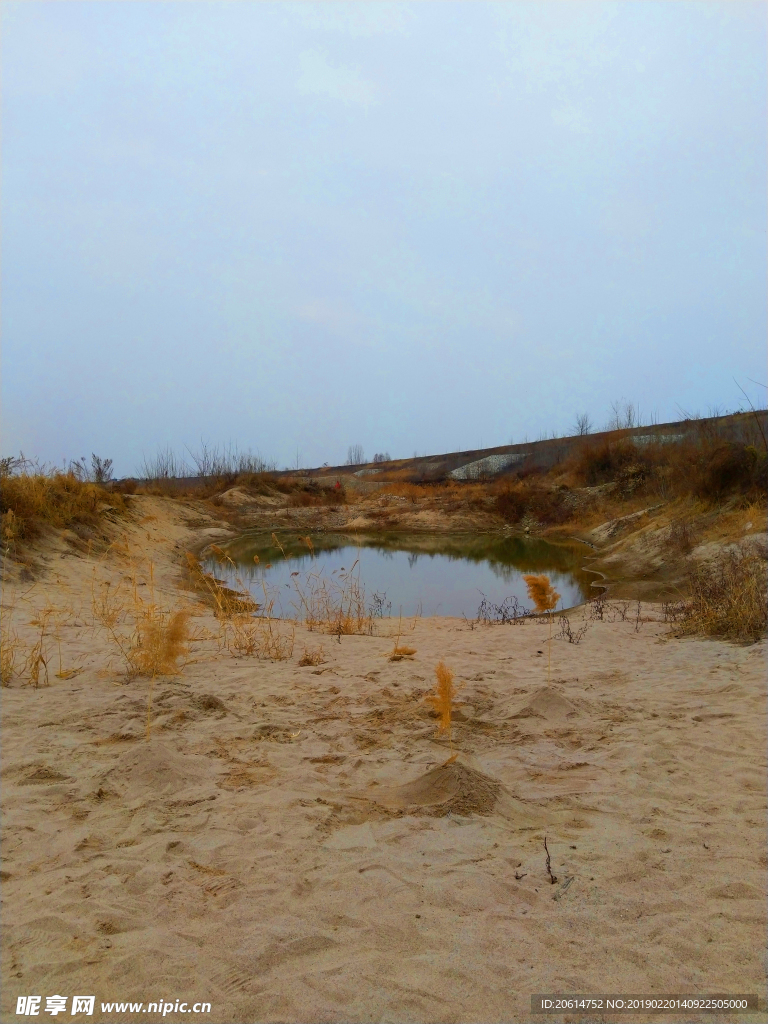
430 575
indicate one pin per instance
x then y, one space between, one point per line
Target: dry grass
29 661
335 604
545 598
313 656
702 466
150 639
442 699
31 500
728 597
159 642
541 592
226 602
36 665
402 651
242 633
10 647
405 489
258 636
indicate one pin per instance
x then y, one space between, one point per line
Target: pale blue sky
417 227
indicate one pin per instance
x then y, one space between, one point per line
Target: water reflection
442 575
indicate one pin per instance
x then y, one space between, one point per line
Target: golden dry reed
226 602
541 592
243 633
442 699
335 605
10 645
150 638
545 598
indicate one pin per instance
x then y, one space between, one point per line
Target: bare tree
624 415
212 461
166 465
583 424
382 457
99 471
355 455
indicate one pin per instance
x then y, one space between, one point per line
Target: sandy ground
289 844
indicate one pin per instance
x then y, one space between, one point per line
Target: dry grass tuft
442 699
313 656
160 641
258 636
29 661
401 652
545 597
227 603
156 641
242 633
36 665
335 605
10 647
541 592
150 639
30 500
728 597
9 650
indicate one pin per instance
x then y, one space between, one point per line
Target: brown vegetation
335 605
442 699
728 597
29 501
613 470
225 601
312 656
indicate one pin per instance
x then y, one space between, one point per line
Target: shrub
124 486
730 468
312 495
728 597
511 504
547 505
28 500
608 460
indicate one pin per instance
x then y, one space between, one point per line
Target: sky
427 227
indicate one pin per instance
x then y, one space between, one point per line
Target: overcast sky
416 227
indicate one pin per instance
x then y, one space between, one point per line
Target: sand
290 845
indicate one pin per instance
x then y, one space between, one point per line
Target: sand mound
43 775
449 788
359 523
737 891
235 496
547 703
154 769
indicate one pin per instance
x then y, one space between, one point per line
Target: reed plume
442 699
545 597
541 592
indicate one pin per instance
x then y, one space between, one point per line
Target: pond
408 574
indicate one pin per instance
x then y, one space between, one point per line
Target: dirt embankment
641 551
